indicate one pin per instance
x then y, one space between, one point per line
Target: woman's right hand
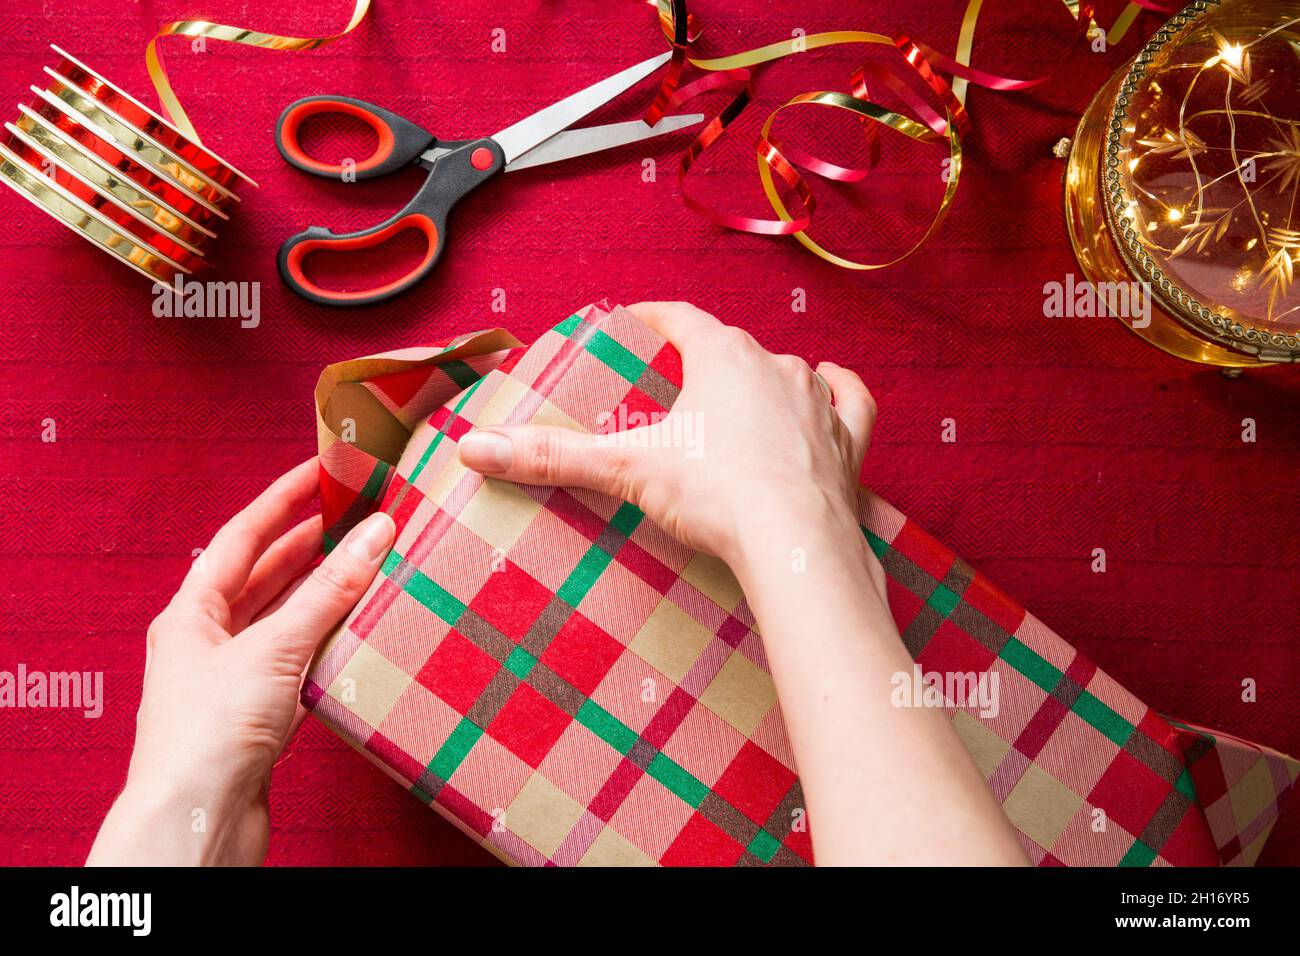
775 472
751 434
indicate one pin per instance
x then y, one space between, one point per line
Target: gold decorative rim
1178 303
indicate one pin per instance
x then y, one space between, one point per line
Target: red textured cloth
1072 434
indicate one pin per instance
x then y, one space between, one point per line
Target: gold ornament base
1183 179
1085 215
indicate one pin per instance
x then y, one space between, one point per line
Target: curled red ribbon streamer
942 118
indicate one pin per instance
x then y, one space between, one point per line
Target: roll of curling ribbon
116 173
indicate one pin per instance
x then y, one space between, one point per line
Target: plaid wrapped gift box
569 685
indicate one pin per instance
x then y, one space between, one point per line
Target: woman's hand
223 669
752 436
771 488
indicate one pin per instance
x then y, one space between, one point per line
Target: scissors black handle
400 142
464 166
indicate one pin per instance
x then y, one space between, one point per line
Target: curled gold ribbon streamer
228 34
921 59
895 121
965 42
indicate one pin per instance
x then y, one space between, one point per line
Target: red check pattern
569 685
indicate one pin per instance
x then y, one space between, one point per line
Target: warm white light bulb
1232 54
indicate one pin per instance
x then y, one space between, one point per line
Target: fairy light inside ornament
1185 176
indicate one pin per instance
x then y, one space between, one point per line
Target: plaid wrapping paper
569 685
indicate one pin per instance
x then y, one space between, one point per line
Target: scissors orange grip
454 170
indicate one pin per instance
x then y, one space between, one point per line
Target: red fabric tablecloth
1072 434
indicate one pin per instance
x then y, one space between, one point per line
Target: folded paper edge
369 367
379 447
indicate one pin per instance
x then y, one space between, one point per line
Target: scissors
455 168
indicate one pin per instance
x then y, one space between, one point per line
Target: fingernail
371 539
488 452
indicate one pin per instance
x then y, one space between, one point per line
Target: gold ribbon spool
140 187
100 174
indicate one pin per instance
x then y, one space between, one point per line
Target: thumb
330 592
547 455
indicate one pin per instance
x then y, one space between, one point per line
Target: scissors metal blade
536 129
579 142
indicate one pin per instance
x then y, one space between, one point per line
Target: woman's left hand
224 665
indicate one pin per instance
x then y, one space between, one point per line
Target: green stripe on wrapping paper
878 545
1106 721
613 354
763 846
677 779
597 559
1188 727
569 325
581 578
372 489
453 750
375 483
1103 718
427 591
606 348
437 438
420 794
520 662
460 373
942 599
433 596
626 519
606 726
1030 664
1139 854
